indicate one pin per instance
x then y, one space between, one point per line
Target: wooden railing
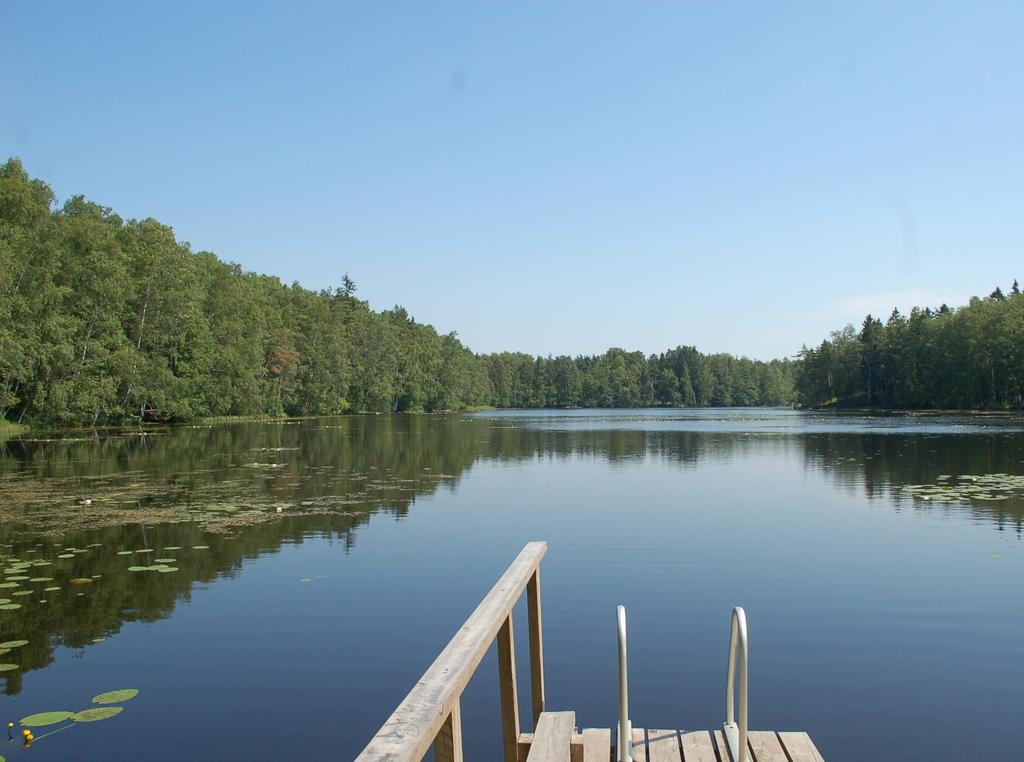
430 713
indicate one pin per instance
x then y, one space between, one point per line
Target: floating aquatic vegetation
23 592
9 667
200 547
66 555
45 718
41 579
167 569
165 560
9 585
173 547
13 644
97 714
80 581
125 552
116 697
967 488
10 606
51 589
17 579
138 568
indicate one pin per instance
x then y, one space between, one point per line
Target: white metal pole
625 741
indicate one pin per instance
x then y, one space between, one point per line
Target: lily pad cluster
162 568
35 575
105 711
966 488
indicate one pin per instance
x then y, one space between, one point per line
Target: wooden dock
430 715
595 745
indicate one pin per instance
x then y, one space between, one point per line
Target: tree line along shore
106 321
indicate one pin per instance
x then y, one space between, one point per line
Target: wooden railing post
509 694
536 646
448 743
429 714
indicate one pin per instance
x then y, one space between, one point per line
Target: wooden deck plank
552 737
575 746
597 745
800 747
765 746
639 745
663 746
723 747
697 747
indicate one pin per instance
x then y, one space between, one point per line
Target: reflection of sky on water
869 610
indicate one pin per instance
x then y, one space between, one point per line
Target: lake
274 589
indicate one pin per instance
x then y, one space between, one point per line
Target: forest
971 357
106 321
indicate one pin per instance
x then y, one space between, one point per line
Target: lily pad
65 555
80 581
165 560
138 568
173 547
9 667
14 644
125 552
4 585
10 606
45 718
19 578
41 579
200 547
50 589
97 714
167 569
116 697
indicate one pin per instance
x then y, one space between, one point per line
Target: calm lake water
882 585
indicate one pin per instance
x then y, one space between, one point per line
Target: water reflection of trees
376 464
880 464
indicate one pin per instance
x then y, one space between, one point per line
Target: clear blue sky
549 177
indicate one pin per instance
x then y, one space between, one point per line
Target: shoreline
11 430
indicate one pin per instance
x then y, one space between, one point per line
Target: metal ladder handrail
625 740
736 736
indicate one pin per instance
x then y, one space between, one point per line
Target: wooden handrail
431 709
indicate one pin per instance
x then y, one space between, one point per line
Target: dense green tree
971 357
104 320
